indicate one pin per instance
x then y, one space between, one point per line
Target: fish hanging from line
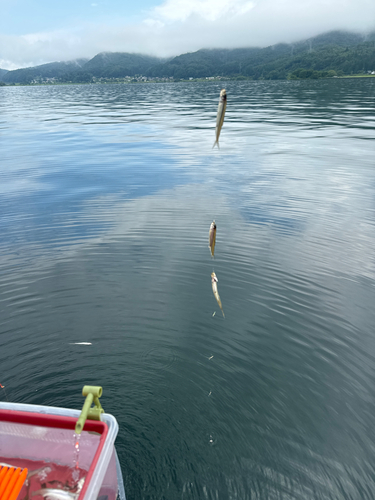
220 116
212 238
214 281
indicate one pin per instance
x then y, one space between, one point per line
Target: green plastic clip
92 394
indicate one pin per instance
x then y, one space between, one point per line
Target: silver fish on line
220 116
212 238
214 281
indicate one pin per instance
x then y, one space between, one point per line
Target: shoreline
197 80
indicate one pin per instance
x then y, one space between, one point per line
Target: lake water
107 193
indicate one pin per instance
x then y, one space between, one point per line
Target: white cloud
38 48
178 26
211 10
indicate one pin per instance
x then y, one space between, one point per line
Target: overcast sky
35 32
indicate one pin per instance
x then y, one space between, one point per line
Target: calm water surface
107 193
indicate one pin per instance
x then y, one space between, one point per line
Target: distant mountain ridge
336 52
120 64
49 70
105 64
329 51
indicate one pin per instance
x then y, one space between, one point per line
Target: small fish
80 343
214 281
55 494
212 238
220 116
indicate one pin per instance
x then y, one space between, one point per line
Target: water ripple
105 211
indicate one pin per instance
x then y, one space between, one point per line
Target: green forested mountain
2 72
119 64
54 70
342 60
104 65
329 54
341 52
251 61
341 38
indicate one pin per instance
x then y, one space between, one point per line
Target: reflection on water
107 194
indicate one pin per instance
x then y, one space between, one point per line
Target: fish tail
218 146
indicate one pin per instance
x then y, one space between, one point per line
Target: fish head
214 277
223 95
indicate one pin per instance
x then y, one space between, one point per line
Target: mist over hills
328 54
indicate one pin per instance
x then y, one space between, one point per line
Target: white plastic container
33 432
